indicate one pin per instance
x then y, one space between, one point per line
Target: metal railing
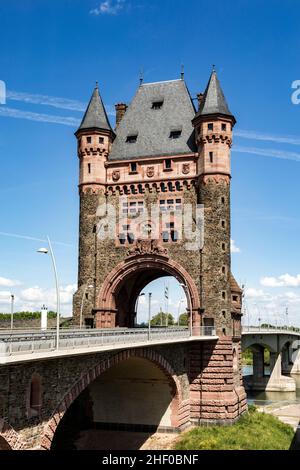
271 329
42 341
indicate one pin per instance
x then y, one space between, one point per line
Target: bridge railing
270 329
31 342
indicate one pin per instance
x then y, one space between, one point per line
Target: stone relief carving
145 247
116 175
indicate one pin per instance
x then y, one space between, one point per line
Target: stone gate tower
163 153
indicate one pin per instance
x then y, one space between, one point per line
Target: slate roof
153 126
95 116
214 101
234 285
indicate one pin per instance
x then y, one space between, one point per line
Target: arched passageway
117 300
120 408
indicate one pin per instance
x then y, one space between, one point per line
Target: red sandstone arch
106 298
9 438
180 408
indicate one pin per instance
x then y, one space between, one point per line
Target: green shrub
253 431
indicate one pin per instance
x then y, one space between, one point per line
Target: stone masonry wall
215 268
203 374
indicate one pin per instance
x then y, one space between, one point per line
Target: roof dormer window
131 139
157 104
175 134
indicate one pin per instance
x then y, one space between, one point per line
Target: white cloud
271 308
27 237
48 296
285 280
253 135
9 282
34 297
108 7
5 297
255 293
56 102
282 154
39 117
233 247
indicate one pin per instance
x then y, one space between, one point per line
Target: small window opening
223 127
210 126
89 140
223 295
235 298
168 164
89 167
131 139
175 134
101 140
223 246
211 157
133 167
157 104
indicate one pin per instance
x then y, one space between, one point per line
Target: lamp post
149 314
12 299
136 306
179 305
46 251
82 302
189 306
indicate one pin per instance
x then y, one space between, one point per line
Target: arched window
35 395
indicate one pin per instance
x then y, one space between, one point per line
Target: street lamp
136 306
12 299
46 251
189 306
179 305
149 314
82 302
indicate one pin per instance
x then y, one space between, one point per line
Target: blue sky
59 48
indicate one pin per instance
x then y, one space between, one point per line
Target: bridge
29 345
284 347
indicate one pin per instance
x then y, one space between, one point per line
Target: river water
261 398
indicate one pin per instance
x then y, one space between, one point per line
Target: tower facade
142 188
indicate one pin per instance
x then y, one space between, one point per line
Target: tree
183 319
162 319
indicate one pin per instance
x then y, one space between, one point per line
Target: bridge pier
278 382
275 382
295 368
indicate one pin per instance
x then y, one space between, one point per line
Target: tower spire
95 116
182 72
214 101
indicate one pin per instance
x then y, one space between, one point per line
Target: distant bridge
284 347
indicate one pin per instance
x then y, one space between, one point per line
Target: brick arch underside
179 408
125 269
9 438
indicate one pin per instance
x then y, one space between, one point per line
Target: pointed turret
213 123
95 116
213 101
95 137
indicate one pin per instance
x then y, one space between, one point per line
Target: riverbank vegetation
253 431
247 357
